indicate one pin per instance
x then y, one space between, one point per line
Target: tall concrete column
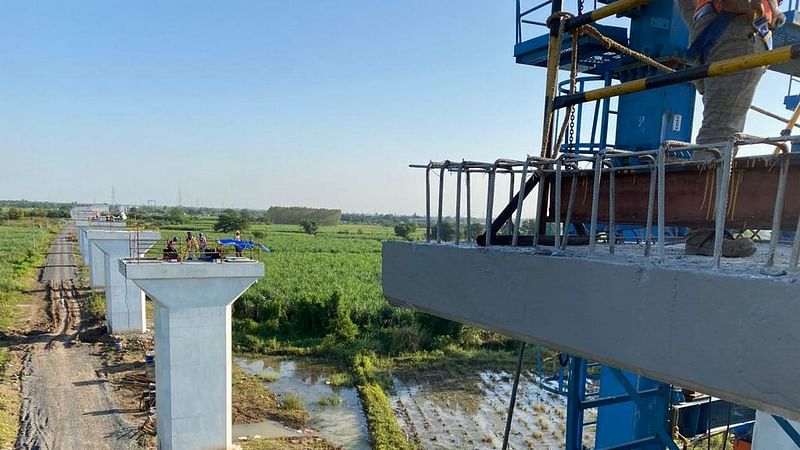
193 346
125 310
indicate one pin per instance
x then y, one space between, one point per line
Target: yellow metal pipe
617 7
718 68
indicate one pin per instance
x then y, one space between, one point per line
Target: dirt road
66 405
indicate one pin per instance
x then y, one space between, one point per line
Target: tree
405 230
447 230
176 215
309 226
15 213
229 220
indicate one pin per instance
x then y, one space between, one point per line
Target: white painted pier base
125 311
193 346
95 261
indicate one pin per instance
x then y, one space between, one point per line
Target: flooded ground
343 424
462 409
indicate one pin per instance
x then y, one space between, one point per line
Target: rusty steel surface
690 194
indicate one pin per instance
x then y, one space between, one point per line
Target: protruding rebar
540 213
520 201
489 205
469 206
441 203
428 202
458 203
570 204
722 203
598 173
612 226
557 206
651 197
776 215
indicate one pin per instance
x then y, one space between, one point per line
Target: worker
170 252
238 238
722 29
191 246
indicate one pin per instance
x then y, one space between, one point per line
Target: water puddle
343 424
468 411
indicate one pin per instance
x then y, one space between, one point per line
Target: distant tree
245 218
476 228
448 231
405 230
15 213
258 234
229 220
176 215
309 226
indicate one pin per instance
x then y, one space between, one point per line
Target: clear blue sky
258 103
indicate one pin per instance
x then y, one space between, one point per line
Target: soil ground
65 402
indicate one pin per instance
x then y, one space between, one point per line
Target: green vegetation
292 402
309 226
23 244
330 400
322 297
96 305
296 215
230 221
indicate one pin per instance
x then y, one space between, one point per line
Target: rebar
557 207
441 203
612 227
722 203
570 203
469 206
598 171
540 214
489 205
520 201
458 203
428 202
777 214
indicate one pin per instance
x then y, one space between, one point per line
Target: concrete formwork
193 346
728 335
125 309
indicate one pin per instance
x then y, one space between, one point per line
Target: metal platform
787 35
594 58
730 333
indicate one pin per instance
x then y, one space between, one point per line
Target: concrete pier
730 335
769 435
80 228
125 310
93 258
193 346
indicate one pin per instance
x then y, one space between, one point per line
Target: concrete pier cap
93 258
125 310
192 318
728 334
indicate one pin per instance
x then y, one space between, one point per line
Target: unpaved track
65 404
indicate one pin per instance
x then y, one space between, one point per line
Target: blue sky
260 103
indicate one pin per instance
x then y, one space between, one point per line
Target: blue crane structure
632 411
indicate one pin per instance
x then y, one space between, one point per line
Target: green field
22 244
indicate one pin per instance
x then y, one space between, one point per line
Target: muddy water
343 425
467 410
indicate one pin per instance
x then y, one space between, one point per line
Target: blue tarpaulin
243 245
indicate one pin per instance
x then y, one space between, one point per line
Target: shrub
292 402
309 226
